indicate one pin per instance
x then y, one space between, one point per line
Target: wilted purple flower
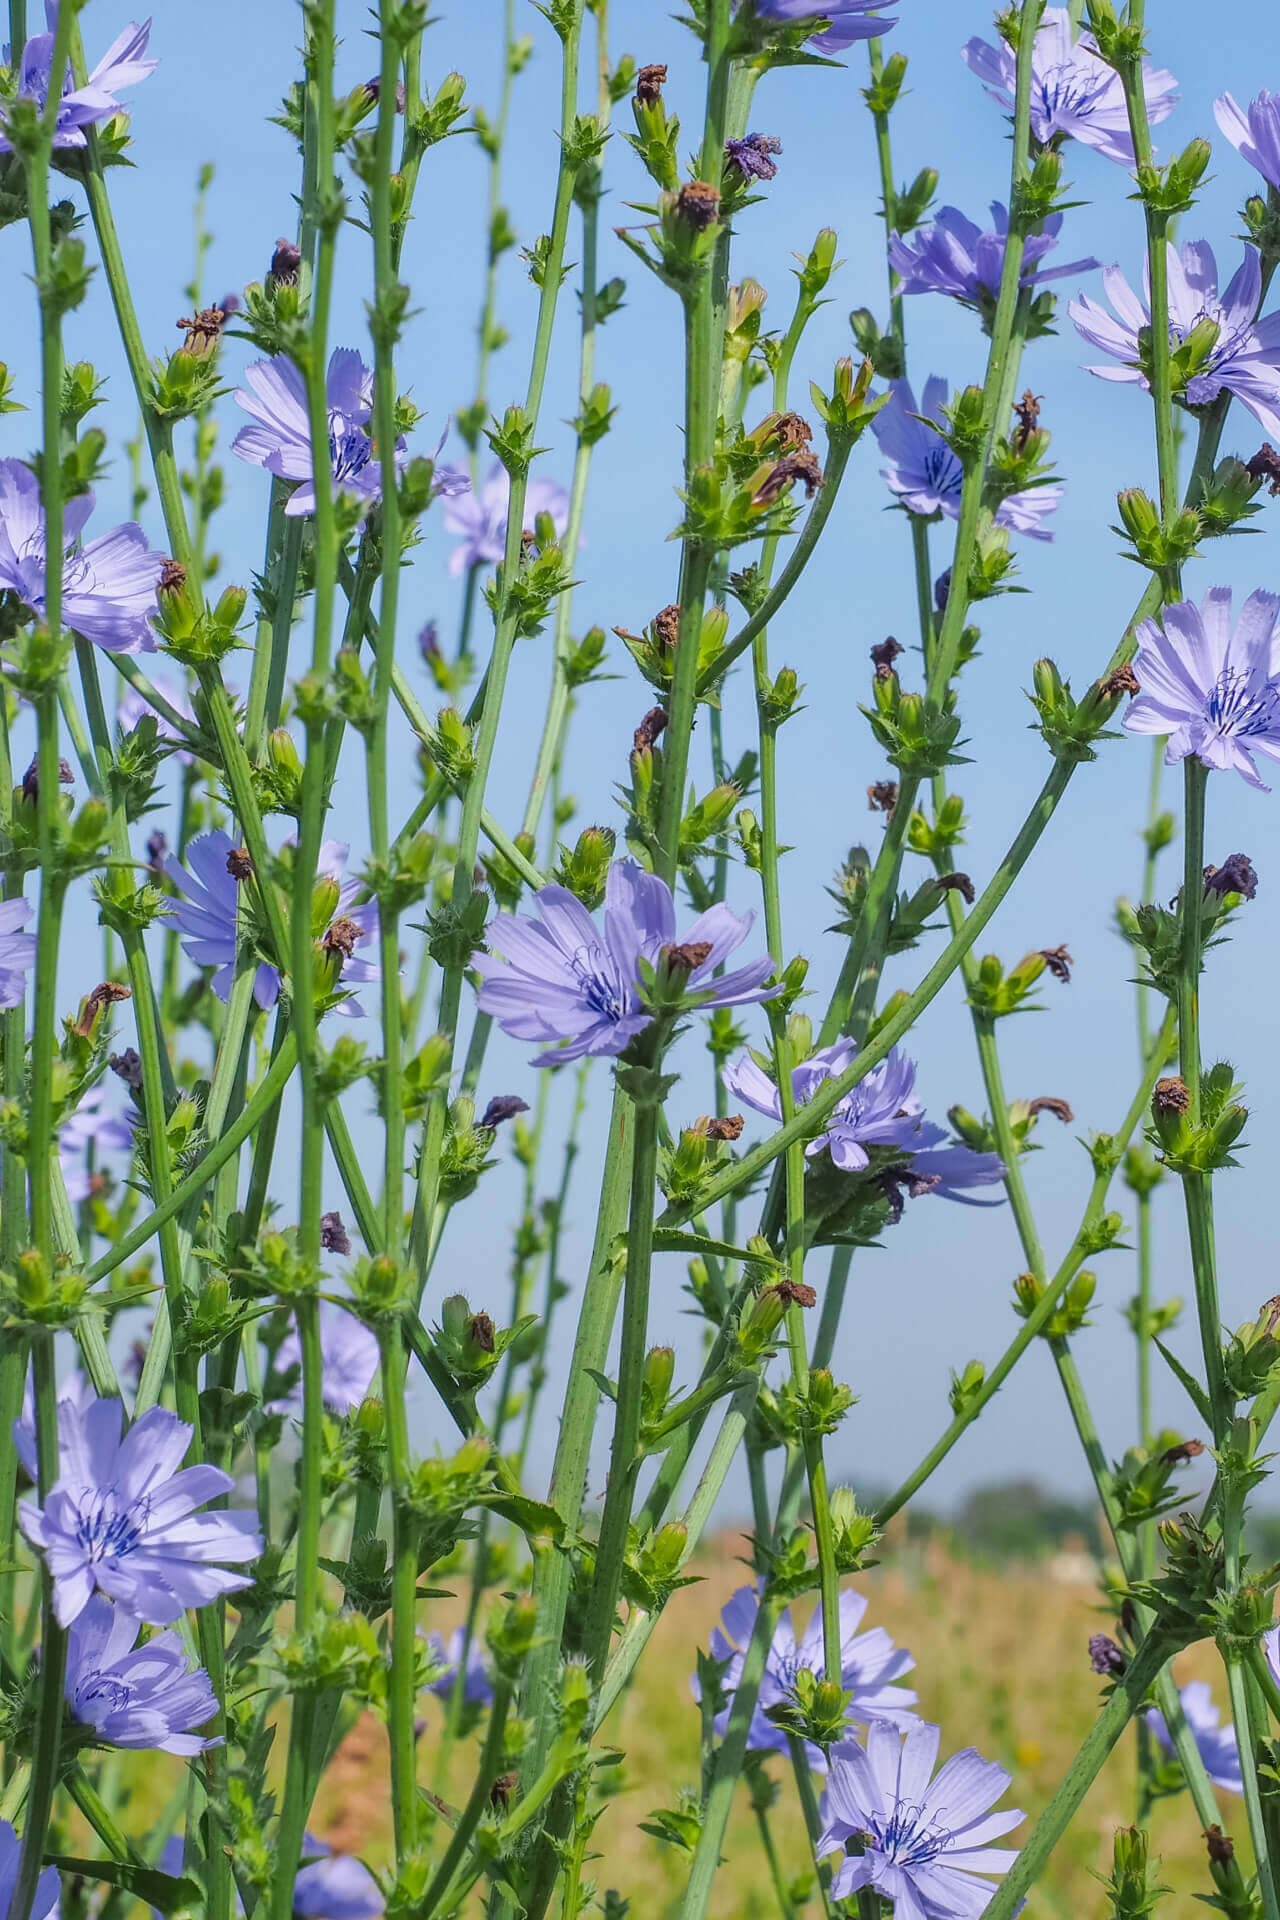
869 1664
17 951
480 519
561 980
753 155
349 1360
1255 133
1216 1743
502 1107
121 1517
1105 1656
924 1840
75 1389
955 257
880 1111
335 1887
927 475
206 917
48 1886
109 1132
122 65
135 1696
108 587
1244 359
1237 874
477 1687
1074 92
847 20
1215 693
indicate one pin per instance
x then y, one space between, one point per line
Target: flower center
941 470
108 1529
350 448
603 987
1238 704
907 1838
1068 91
97 1694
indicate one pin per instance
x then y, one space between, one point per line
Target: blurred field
1002 1665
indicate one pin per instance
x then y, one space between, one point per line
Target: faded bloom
1237 874
1216 1742
880 1111
1214 692
753 155
48 1886
206 916
924 1839
17 951
349 1356
1244 359
480 519
563 980
926 474
845 20
1074 93
953 256
1255 132
869 1664
477 1687
90 1124
135 1696
122 65
121 1518
108 587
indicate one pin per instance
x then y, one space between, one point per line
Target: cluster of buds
193 632
1205 1146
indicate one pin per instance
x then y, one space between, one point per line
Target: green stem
477 1803
404 1580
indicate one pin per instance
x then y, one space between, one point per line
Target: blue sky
939 1291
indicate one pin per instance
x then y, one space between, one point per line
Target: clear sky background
939 1291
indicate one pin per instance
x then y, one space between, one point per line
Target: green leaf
535 1519
670 1240
159 1890
1195 1392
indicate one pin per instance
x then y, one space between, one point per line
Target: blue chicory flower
48 1886
477 1686
1214 692
1253 132
556 978
331 1886
480 519
17 951
122 65
206 916
869 1664
926 473
880 1111
135 1696
1245 358
349 1360
1074 93
90 1123
108 586
120 1518
953 256
845 20
76 1389
924 1838
1216 1743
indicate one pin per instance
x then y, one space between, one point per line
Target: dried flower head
649 84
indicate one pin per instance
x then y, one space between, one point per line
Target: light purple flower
849 20
926 473
335 1887
925 1839
48 1886
90 1123
122 65
121 1518
480 519
562 980
349 1358
880 1111
1245 359
869 1664
1074 93
1214 692
108 587
953 256
1255 133
76 1389
135 1696
477 1687
206 917
1216 1743
17 951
